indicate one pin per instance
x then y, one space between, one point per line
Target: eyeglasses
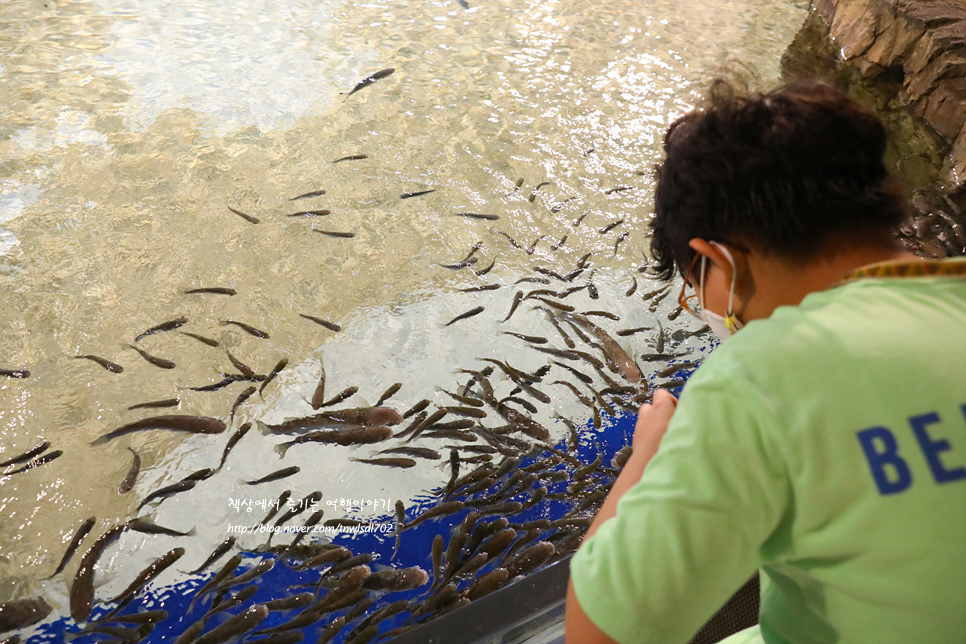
690 303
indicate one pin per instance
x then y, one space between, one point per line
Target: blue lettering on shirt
885 454
931 449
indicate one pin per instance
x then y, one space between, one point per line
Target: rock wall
907 60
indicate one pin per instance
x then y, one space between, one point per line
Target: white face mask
721 326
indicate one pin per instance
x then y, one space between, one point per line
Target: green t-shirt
826 446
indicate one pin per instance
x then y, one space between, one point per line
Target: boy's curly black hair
783 172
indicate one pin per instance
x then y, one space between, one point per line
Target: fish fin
280 449
263 428
190 533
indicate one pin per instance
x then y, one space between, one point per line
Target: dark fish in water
200 475
633 287
247 218
169 402
224 547
365 82
248 329
331 326
110 366
331 233
673 369
290 603
318 396
232 601
620 238
484 271
611 226
657 301
242 397
217 290
342 418
475 289
310 213
150 573
229 379
533 280
274 476
626 332
463 3
26 456
415 409
242 623
333 555
164 326
560 243
466 400
441 510
300 507
355 436
277 369
420 452
237 436
132 475
260 569
389 393
43 460
200 338
512 241
463 316
16 373
82 532
673 315
388 462
222 574
149 617
513 307
23 613
314 193
603 314
487 583
437 556
458 265
354 157
533 246
345 394
194 424
181 486
533 339
82 590
280 503
241 366
407 195
580 219
618 189
474 215
157 362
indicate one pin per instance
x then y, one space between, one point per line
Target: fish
355 436
441 510
43 460
437 556
475 289
657 301
318 396
533 247
618 189
354 157
400 520
281 364
673 315
228 379
232 601
193 424
132 474
29 454
110 366
407 195
404 463
529 559
217 290
341 418
242 397
274 476
513 307
474 215
487 583
345 394
468 314
280 503
620 238
290 603
557 245
389 393
458 265
168 402
222 548
620 361
157 362
149 617
149 573
241 623
512 241
257 571
310 213
580 219
673 369
170 325
245 327
237 436
557 305
333 556
21 614
533 280
200 338
170 490
248 218
222 574
369 80
78 538
626 332
332 233
82 589
15 373
603 314
314 193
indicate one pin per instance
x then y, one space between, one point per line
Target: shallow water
128 129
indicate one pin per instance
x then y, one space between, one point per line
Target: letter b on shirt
889 470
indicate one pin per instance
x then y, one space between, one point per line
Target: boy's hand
652 422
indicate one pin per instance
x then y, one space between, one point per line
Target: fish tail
281 449
190 533
100 441
263 428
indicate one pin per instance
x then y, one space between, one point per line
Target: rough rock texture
907 60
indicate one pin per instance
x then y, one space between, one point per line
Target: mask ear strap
701 280
732 322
